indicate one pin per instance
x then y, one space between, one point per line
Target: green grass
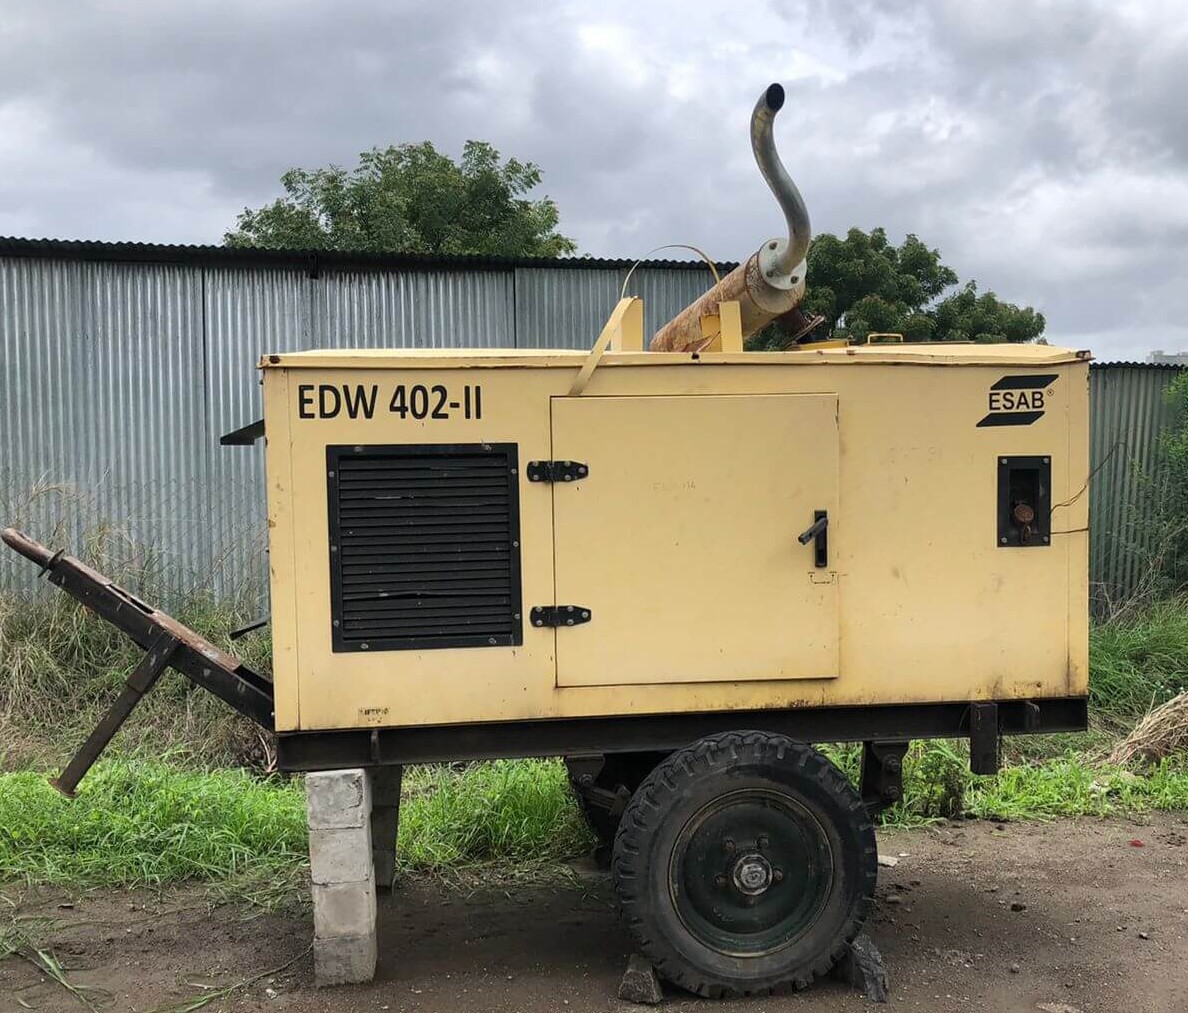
61 666
512 810
938 785
1067 786
1139 659
149 823
144 822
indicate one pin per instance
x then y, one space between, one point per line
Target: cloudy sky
1041 144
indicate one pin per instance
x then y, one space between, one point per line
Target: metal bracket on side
882 774
984 740
723 330
559 615
557 471
583 775
244 436
623 331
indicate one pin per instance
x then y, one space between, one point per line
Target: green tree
411 198
863 284
967 316
1171 519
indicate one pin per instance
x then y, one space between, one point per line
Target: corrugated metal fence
122 366
1127 413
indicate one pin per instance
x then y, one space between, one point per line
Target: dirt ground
975 916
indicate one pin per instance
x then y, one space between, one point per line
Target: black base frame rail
167 643
983 722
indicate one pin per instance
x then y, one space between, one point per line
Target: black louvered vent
424 546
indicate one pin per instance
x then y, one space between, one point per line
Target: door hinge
559 615
557 471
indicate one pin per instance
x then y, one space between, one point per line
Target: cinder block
340 856
336 799
343 960
344 909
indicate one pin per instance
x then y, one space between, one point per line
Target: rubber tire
676 790
620 769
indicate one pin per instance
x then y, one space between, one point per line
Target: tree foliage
1173 515
411 198
863 284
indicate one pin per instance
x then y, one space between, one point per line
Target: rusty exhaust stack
771 282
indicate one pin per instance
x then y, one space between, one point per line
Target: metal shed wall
1127 412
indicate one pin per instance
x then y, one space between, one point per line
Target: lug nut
728 844
777 875
762 842
719 881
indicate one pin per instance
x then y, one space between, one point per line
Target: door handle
818 534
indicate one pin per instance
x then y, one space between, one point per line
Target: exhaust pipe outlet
771 281
782 261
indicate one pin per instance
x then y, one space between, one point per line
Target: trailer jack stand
143 677
167 644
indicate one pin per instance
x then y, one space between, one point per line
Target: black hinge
557 471
559 615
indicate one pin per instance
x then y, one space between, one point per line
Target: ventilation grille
424 546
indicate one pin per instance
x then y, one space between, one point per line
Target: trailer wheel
743 864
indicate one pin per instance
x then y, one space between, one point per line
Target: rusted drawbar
167 644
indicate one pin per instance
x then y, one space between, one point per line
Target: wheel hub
752 874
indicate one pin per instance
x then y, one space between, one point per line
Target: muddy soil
974 916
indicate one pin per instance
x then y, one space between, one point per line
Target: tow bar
167 644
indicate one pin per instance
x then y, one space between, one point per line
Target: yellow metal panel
935 353
629 336
628 315
282 557
730 320
1070 524
711 331
930 608
682 540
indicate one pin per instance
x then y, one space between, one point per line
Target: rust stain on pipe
759 303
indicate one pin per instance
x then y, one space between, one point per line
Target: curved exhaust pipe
771 281
788 255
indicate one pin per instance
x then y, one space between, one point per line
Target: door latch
818 535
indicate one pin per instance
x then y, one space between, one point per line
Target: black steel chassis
327 750
885 729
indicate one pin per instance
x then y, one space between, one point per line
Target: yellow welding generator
677 567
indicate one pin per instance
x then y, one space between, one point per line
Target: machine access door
682 542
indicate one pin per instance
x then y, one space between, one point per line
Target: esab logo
1018 400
